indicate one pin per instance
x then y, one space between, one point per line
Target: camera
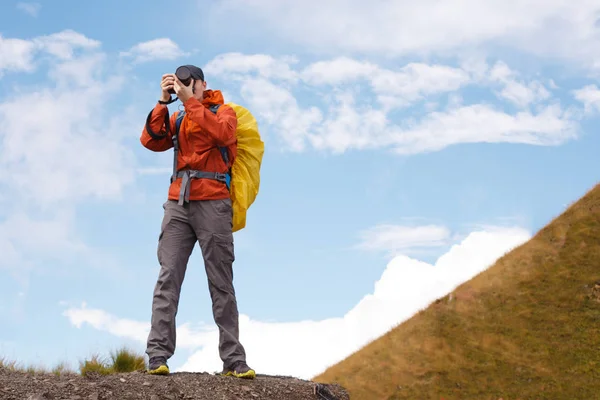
184 75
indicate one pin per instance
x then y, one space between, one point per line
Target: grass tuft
126 360
122 360
8 364
94 365
62 369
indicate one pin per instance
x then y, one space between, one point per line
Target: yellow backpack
245 171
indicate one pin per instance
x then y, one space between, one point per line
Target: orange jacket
200 133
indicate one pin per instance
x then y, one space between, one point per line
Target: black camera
184 74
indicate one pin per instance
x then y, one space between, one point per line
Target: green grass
527 327
125 360
122 360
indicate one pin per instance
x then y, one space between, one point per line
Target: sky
408 145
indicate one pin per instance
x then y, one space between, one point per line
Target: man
197 209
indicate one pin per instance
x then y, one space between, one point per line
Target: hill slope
527 327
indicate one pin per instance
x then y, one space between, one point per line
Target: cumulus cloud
393 88
405 85
58 148
520 93
589 95
16 54
67 136
101 320
353 104
406 286
400 28
237 66
278 107
349 128
64 44
19 54
156 49
551 125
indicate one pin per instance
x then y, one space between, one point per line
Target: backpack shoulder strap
214 108
180 116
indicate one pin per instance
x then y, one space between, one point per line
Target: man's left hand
183 92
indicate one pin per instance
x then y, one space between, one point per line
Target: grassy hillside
526 328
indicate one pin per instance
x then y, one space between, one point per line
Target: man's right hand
167 82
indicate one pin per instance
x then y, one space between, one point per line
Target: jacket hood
212 97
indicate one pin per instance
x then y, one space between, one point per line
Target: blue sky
407 146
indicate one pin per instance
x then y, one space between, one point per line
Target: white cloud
59 146
19 54
32 9
238 65
103 321
483 124
405 287
349 128
156 49
16 55
590 97
63 44
278 107
405 85
397 28
403 239
338 71
67 139
394 88
349 118
520 93
416 80
82 72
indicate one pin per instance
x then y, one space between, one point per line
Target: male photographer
198 208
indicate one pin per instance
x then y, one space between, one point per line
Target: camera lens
184 75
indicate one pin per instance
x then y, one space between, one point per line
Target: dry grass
125 360
59 369
528 327
121 360
95 365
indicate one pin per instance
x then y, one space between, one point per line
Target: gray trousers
210 223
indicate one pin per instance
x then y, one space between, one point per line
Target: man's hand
182 91
167 83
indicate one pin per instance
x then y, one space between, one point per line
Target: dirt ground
177 386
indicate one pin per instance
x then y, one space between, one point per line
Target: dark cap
196 72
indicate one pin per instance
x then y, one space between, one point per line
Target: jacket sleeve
221 127
155 135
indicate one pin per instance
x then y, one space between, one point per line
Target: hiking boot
158 366
240 369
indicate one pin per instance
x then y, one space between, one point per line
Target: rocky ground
178 386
